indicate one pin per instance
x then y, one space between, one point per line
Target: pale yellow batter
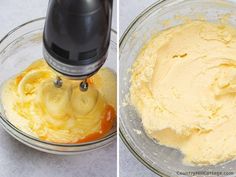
63 115
183 85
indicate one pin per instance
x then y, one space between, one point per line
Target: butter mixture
183 84
63 115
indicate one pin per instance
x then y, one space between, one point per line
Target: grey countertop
16 159
129 165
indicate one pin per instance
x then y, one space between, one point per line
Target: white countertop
16 159
129 165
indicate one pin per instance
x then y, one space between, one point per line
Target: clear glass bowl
160 159
18 49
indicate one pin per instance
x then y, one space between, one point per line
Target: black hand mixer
76 37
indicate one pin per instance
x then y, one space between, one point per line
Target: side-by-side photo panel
117 88
58 88
177 90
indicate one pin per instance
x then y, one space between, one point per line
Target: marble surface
16 159
129 165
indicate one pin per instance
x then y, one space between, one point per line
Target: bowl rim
13 127
121 133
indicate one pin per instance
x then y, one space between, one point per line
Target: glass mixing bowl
18 49
161 15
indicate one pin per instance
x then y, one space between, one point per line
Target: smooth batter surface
183 84
63 115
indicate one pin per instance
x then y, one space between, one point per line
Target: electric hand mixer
76 37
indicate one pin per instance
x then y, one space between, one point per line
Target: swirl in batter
183 85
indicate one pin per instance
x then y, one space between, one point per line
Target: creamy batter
63 115
183 84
